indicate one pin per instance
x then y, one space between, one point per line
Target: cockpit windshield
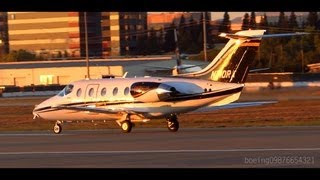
67 90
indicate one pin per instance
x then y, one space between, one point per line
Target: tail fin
232 63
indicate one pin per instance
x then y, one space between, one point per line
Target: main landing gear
125 123
173 123
126 126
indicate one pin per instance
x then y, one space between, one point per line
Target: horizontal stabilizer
258 69
240 36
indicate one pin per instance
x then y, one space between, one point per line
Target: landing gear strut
173 123
57 128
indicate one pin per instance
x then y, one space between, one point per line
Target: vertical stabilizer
232 63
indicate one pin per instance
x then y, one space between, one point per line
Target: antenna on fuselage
125 74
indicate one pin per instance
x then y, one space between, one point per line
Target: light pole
302 55
1 48
204 37
177 51
86 42
101 28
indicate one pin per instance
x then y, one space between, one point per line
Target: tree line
287 54
283 54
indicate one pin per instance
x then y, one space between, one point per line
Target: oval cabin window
91 91
103 91
126 91
79 91
115 91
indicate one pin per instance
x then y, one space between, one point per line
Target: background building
48 34
62 34
94 32
4 42
120 31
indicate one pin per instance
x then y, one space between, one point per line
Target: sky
219 15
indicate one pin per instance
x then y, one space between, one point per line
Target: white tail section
232 62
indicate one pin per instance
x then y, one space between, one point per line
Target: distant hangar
62 72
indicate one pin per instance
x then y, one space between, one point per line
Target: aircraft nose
39 108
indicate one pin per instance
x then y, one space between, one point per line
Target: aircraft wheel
126 126
57 128
173 125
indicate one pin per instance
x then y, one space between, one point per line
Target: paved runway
266 147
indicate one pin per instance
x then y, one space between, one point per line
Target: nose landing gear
57 128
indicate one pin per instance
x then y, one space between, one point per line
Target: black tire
126 126
173 125
57 128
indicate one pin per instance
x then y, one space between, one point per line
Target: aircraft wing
159 67
141 111
103 110
234 105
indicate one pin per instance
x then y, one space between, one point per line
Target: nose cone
38 109
43 107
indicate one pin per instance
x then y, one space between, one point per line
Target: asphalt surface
274 147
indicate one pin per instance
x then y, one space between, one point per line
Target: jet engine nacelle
152 92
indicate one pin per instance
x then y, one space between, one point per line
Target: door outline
94 97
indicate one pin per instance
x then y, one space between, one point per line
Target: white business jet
130 100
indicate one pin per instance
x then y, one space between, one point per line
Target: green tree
20 55
312 19
66 54
23 55
225 25
245 22
169 41
184 36
141 44
252 22
293 21
209 29
264 22
282 22
181 33
10 57
193 32
59 55
152 45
